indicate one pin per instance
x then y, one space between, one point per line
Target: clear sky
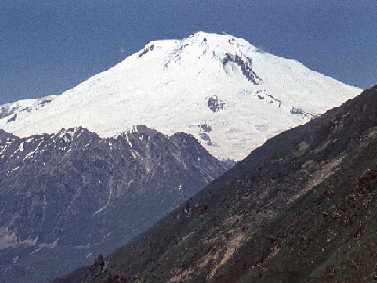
47 46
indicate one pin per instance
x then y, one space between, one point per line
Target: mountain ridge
68 196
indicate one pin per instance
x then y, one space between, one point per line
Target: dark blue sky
47 46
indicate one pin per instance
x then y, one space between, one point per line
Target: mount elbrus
221 89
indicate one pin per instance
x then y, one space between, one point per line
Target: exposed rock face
67 197
6 112
246 67
215 104
301 208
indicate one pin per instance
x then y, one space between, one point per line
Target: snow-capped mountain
219 88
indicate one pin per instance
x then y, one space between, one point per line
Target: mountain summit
219 88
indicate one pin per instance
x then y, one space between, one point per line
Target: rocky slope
301 208
221 89
69 196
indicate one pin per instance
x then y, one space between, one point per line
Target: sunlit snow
230 95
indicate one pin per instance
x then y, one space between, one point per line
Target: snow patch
9 239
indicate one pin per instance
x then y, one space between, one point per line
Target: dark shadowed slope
301 208
67 197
